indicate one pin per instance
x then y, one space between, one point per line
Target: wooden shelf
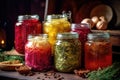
112 32
114 36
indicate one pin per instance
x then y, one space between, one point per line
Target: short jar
67 52
98 51
38 52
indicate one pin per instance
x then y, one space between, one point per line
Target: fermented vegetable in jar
98 51
67 52
55 24
82 29
38 52
27 24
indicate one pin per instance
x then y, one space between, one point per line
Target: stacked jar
98 51
67 55
55 24
27 24
38 52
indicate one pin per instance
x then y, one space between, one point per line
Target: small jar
55 24
27 24
98 51
67 56
38 52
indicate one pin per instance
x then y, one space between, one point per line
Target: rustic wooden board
40 76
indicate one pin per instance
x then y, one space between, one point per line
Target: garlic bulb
88 21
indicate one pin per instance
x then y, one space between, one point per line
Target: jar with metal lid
82 29
38 52
27 24
98 51
67 52
55 24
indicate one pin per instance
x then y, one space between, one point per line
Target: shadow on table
9 78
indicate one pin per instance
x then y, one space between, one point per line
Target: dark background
10 9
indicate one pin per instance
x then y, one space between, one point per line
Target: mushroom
95 19
102 23
88 21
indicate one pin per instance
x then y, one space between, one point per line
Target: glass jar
67 56
38 52
27 24
55 24
82 29
98 51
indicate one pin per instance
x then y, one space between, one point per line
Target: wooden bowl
102 10
10 67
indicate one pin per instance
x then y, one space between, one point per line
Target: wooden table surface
40 76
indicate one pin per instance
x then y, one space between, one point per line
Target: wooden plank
114 36
41 76
112 32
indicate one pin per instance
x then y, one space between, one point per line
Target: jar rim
67 35
34 35
98 35
25 17
55 16
79 25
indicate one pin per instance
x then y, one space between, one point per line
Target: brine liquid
22 29
55 26
82 30
97 55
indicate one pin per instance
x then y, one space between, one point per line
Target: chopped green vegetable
67 55
10 57
110 73
13 57
1 57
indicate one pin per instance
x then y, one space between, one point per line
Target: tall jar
82 29
27 24
98 51
38 52
55 24
67 56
